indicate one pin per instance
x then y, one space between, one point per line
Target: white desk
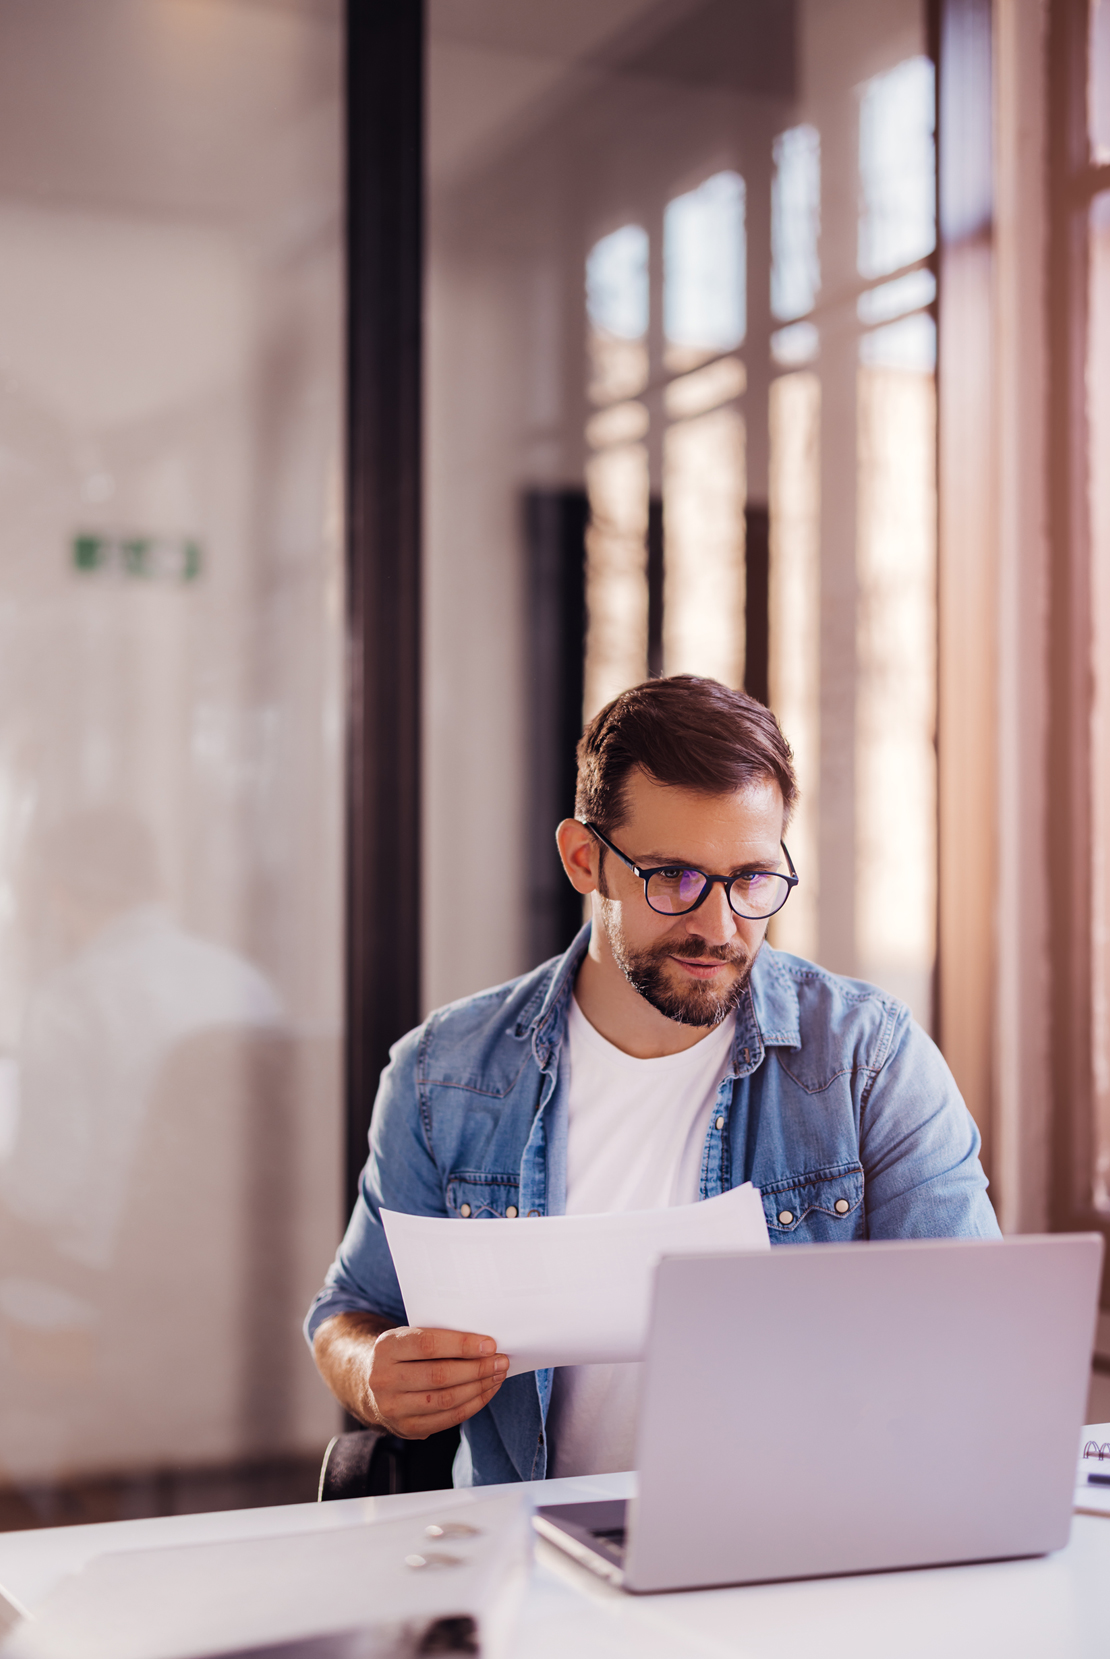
1058 1605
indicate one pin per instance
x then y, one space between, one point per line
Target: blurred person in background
128 986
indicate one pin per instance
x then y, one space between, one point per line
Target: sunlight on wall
895 781
795 619
617 299
794 499
704 467
795 223
616 573
897 173
705 286
896 690
703 518
617 483
703 472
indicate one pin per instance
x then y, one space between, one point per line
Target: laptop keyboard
611 1535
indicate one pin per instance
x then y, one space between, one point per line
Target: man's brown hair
684 732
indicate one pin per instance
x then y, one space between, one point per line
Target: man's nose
714 920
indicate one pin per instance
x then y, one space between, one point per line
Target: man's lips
700 969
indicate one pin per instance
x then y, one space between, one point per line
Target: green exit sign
148 558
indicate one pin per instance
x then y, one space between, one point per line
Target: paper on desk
564 1289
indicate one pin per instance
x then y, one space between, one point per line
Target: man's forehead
662 810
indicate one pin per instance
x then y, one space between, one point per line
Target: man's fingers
419 1427
449 1373
446 1399
415 1342
421 1380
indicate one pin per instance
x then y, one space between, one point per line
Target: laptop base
593 1533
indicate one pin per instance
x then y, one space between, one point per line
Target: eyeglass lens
671 892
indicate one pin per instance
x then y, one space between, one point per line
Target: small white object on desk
559 1290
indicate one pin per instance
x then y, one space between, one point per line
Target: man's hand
410 1381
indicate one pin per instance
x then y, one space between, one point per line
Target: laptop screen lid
847 1408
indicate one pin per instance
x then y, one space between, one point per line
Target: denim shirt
836 1105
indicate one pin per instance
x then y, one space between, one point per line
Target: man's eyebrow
667 860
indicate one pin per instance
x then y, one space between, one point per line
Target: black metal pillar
384 230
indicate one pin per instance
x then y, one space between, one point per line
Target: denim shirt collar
545 1016
774 996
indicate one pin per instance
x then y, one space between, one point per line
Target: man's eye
674 872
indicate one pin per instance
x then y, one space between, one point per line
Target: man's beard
696 1004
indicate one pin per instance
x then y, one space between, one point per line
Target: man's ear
580 852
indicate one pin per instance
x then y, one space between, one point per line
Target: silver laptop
846 1408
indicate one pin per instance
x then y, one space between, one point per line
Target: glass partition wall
170 748
681 417
679 411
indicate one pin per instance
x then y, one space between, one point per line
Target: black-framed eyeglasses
676 889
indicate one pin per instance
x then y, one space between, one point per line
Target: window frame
1074 179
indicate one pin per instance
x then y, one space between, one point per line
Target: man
669 1055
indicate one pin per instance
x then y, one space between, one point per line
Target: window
617 303
681 288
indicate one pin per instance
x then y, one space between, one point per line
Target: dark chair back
369 1463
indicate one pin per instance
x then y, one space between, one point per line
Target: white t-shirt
635 1137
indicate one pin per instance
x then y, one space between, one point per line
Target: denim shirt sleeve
400 1174
919 1147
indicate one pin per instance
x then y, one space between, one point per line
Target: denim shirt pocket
821 1206
477 1195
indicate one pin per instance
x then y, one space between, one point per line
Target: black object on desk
457 1636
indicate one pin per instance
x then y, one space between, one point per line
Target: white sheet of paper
562 1289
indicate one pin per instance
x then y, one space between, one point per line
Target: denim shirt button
510 1212
464 1209
842 1206
786 1217
720 1123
